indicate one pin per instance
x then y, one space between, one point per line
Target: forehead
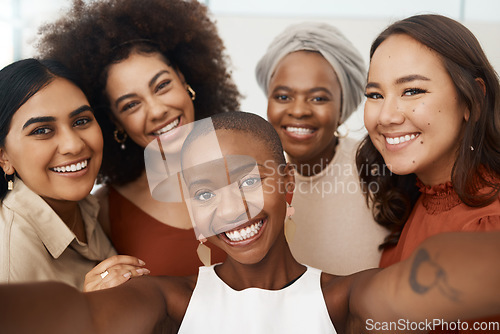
226 143
305 67
401 55
58 98
136 66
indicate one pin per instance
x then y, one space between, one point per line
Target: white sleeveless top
217 308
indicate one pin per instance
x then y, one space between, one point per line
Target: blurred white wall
247 28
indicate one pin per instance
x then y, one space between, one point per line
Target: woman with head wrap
314 79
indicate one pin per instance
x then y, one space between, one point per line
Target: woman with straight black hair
50 153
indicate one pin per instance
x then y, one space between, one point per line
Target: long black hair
475 172
19 81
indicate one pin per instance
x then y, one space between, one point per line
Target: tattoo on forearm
439 280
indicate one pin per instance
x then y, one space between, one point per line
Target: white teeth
402 139
299 131
244 233
71 168
168 127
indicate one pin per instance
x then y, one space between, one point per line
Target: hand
114 271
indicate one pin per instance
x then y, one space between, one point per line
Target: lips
169 127
299 131
76 167
401 139
245 232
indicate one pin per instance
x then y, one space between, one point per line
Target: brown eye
162 85
41 131
414 91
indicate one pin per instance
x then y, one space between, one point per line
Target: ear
466 114
482 85
5 162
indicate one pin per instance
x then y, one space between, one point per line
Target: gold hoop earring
10 181
191 92
120 137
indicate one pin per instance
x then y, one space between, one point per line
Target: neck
314 165
273 272
70 214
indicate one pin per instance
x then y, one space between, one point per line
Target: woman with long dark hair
148 67
50 153
433 119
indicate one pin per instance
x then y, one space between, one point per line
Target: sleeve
483 224
5 241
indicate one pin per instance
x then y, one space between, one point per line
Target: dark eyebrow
281 88
231 173
320 89
411 77
242 168
150 84
402 80
42 119
153 79
123 97
372 85
79 110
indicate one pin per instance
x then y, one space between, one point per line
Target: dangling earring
10 180
290 226
191 92
337 134
204 252
120 133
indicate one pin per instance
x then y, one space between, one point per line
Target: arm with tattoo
437 279
450 276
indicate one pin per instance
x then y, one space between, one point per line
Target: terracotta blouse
438 210
166 250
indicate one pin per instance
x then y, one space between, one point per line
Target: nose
390 112
156 109
70 142
298 108
231 207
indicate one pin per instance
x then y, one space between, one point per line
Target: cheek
189 112
274 113
370 120
133 124
94 140
29 162
329 118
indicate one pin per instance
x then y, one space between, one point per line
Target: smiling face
54 143
304 106
239 196
148 97
413 114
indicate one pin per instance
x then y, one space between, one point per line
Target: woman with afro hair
148 67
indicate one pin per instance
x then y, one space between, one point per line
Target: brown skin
304 92
438 281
